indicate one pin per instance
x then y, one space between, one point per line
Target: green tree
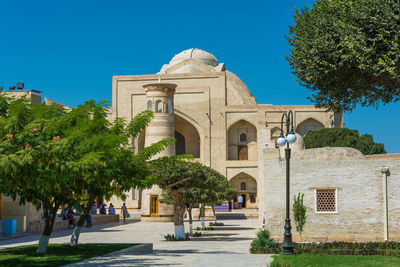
299 213
211 191
343 137
100 156
49 157
31 167
182 178
347 52
4 103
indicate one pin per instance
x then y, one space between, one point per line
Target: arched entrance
246 186
242 141
187 137
308 125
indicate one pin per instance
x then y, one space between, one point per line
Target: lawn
57 254
336 260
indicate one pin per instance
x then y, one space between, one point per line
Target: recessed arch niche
187 136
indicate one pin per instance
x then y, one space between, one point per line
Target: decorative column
159 99
385 172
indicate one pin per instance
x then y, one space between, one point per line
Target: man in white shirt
240 201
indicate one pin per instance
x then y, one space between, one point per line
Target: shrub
262 241
217 224
197 234
299 213
338 248
172 237
205 228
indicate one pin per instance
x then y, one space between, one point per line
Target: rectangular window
326 200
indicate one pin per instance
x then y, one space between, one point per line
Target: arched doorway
246 186
180 144
308 125
242 141
187 137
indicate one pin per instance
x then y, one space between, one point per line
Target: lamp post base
287 245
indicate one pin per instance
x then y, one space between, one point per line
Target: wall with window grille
343 193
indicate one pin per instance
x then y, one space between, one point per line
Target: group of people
69 214
102 209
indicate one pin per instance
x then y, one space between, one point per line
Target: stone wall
359 184
24 214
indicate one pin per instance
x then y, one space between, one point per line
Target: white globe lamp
291 138
281 141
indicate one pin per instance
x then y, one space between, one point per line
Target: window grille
325 200
243 137
243 186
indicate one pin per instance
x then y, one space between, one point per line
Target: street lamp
287 245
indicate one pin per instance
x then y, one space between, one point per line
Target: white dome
197 54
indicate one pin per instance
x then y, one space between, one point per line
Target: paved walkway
225 246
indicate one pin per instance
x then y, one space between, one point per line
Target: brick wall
359 184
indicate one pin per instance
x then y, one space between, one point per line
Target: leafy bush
205 228
217 224
343 137
337 248
262 242
172 237
197 234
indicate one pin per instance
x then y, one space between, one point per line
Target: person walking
124 211
240 201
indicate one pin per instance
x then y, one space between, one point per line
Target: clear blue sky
70 49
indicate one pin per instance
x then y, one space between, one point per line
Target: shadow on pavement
62 233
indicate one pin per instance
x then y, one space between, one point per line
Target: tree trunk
179 211
77 230
202 214
43 243
215 216
189 209
48 228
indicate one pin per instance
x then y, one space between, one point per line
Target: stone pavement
226 246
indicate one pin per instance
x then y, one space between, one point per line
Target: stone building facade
349 196
215 118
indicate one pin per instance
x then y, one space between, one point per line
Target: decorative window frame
245 185
336 201
158 106
150 105
247 138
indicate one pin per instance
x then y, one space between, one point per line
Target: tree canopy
343 137
101 157
206 186
347 52
50 157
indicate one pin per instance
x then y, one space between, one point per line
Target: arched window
169 108
158 106
149 105
243 186
243 138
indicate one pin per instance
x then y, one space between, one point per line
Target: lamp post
288 138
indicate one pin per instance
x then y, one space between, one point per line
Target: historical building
213 116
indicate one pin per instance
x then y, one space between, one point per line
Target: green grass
57 254
336 260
